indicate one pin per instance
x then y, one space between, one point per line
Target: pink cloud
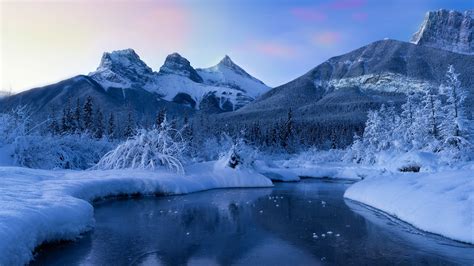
347 4
275 49
309 14
327 38
360 16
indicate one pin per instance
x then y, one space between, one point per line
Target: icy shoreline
40 206
441 203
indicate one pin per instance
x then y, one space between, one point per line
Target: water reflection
305 223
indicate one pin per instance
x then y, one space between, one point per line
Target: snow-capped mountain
175 64
224 87
336 95
228 74
448 30
123 69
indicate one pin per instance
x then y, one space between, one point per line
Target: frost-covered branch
161 146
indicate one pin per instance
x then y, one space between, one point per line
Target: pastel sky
276 41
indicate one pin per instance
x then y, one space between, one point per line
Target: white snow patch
40 206
440 203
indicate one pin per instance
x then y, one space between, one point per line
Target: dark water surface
283 225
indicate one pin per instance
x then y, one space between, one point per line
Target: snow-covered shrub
240 155
14 124
64 152
148 149
213 148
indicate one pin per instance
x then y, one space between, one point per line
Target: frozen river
305 223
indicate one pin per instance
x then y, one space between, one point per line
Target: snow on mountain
178 65
227 73
123 69
447 30
224 87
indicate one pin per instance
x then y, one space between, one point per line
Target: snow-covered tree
148 149
241 154
455 127
432 108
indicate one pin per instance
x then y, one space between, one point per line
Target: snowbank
40 205
289 170
440 203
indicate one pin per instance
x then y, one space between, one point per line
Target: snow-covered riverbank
39 205
440 203
42 205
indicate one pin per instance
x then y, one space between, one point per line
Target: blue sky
276 41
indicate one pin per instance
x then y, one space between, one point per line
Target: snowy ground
440 203
39 205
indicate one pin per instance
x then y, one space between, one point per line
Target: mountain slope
50 99
338 93
448 30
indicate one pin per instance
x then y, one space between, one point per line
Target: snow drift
40 206
440 203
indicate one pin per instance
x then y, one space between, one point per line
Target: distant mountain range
123 81
337 92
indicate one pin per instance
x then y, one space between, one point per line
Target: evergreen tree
88 114
67 118
111 126
129 126
160 117
77 125
99 124
432 107
53 125
286 130
453 127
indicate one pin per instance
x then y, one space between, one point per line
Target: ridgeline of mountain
333 98
178 65
448 30
337 94
122 81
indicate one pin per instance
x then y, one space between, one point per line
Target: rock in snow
447 30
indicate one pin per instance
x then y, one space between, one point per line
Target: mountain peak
226 61
122 69
178 65
448 30
127 58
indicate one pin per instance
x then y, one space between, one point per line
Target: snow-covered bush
64 152
240 155
14 124
213 148
30 147
161 146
